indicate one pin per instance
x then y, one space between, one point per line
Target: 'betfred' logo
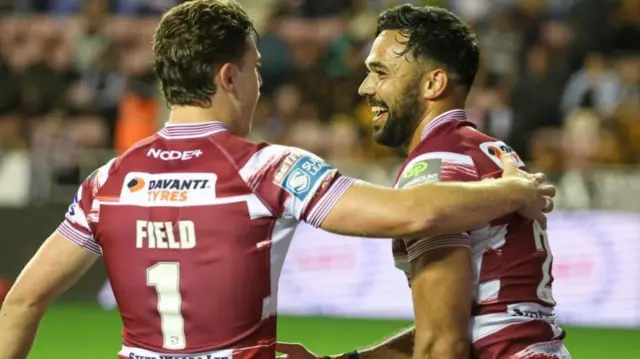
160 189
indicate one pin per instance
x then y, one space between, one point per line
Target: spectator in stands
596 80
313 52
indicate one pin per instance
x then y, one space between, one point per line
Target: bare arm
441 289
433 209
57 265
442 304
400 346
426 210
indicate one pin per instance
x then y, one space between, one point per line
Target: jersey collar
191 130
449 116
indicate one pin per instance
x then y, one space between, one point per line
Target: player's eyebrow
376 65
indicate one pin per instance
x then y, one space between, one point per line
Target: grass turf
84 331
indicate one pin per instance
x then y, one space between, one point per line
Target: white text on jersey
160 235
173 155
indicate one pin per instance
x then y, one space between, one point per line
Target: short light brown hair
192 41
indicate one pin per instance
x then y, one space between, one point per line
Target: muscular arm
57 265
442 302
296 183
426 210
441 290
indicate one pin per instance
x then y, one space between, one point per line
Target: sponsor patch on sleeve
423 171
301 175
496 149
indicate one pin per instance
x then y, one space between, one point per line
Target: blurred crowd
559 81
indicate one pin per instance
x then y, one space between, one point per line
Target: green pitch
89 332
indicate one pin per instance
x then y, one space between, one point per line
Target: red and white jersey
513 305
194 224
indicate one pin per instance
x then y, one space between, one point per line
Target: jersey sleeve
435 167
83 211
295 183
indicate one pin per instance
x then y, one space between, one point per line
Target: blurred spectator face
594 63
287 100
344 137
9 131
393 89
557 35
581 137
629 69
306 54
537 60
24 54
88 131
308 134
62 57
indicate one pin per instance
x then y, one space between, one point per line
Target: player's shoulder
485 149
248 153
133 152
444 147
96 180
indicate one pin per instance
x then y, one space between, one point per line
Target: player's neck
192 115
429 116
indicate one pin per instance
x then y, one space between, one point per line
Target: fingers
509 166
547 190
539 178
548 205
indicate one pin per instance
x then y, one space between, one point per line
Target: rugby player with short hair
194 222
490 286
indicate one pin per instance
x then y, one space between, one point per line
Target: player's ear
227 75
435 84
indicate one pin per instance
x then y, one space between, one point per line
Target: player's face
249 82
393 88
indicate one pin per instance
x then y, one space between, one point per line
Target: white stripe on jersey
452 157
487 324
421 246
191 130
85 241
260 160
451 115
329 200
257 209
80 216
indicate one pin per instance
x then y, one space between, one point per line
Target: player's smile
380 117
381 112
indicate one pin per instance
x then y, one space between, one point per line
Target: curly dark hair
435 34
192 41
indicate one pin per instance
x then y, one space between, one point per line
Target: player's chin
378 135
378 129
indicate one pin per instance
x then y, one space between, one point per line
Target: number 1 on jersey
542 244
165 277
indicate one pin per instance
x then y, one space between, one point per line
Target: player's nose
366 87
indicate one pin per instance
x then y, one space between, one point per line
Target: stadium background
560 82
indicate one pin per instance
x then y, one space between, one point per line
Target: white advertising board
596 269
